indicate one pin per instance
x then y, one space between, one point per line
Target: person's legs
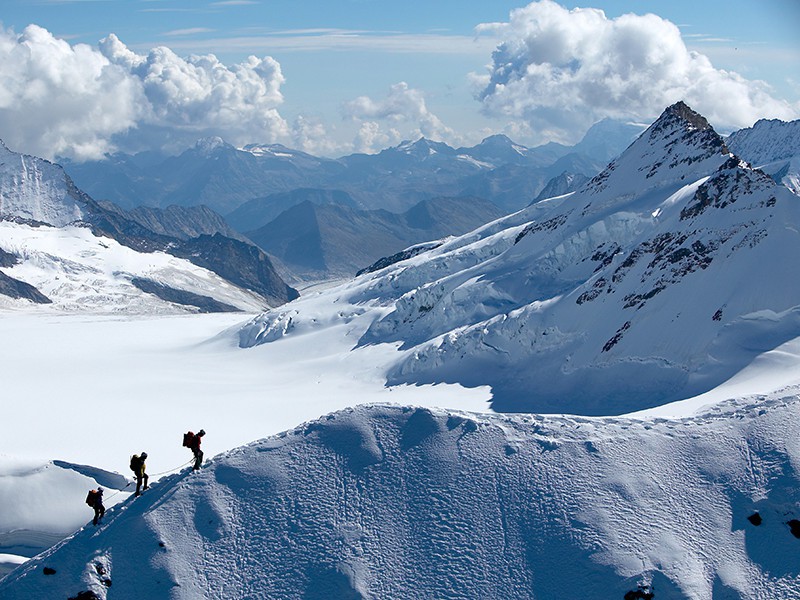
138 484
146 478
198 459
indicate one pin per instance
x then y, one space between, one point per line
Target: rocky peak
679 144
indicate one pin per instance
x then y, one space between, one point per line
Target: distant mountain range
320 241
222 177
56 248
656 280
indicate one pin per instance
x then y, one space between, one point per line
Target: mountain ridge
390 501
33 190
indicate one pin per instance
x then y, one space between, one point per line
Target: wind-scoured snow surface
659 279
392 502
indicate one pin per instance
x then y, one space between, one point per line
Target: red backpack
91 498
188 438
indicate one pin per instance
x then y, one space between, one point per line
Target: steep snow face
35 189
658 280
766 141
80 272
390 502
773 146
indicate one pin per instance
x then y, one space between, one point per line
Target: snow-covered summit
680 145
392 502
35 189
209 145
766 141
659 279
422 148
773 146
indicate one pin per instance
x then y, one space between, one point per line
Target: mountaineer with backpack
95 500
192 441
138 468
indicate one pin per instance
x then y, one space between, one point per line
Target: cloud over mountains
59 99
554 72
554 67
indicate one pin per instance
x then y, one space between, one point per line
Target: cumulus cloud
81 101
311 135
404 108
562 70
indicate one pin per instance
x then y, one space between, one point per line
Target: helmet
100 490
143 455
201 433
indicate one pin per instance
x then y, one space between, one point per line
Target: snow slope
80 272
37 190
95 388
392 502
658 280
35 515
773 146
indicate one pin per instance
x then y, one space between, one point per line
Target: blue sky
351 75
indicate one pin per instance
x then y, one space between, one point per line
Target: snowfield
645 329
399 502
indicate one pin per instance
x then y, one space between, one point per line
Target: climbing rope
130 483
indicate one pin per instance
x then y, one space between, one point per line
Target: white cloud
189 31
311 135
80 101
562 70
403 106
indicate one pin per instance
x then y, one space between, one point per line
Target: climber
138 468
192 441
95 500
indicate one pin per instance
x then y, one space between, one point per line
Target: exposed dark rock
643 593
617 336
794 527
395 258
7 259
14 288
85 595
205 304
49 571
238 262
755 519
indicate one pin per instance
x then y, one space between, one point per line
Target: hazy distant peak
210 144
423 147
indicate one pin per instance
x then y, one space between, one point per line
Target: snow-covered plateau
645 329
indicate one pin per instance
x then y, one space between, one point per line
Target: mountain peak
498 139
208 145
422 147
680 144
681 110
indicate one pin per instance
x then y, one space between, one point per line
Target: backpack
91 497
136 463
188 438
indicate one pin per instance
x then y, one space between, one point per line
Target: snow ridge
773 146
391 502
